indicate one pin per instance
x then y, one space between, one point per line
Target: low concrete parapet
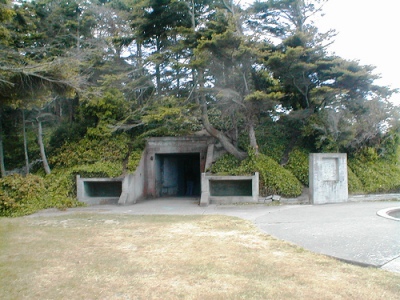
229 189
94 191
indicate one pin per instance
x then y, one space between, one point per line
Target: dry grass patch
89 256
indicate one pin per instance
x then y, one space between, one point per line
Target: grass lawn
92 256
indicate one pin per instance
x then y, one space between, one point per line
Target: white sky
368 32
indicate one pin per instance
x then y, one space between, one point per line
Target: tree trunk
25 143
228 146
253 139
158 72
42 152
139 54
194 71
2 165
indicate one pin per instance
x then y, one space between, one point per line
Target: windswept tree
32 68
155 24
316 84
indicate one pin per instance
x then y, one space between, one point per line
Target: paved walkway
350 231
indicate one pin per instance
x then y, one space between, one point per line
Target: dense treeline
83 83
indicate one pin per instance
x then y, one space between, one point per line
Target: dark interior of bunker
178 175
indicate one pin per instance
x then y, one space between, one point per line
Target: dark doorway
103 188
178 175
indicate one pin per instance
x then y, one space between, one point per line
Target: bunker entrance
178 175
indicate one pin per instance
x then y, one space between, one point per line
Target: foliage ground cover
91 256
21 195
377 176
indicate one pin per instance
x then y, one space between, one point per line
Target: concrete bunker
175 167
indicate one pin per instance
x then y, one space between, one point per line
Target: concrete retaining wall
133 185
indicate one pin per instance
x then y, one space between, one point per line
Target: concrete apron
351 232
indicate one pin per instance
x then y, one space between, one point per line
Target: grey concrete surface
350 231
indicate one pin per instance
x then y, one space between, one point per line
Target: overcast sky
368 32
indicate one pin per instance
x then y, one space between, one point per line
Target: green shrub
99 169
110 107
134 159
274 179
226 164
67 132
376 176
90 150
271 141
355 184
298 164
275 137
21 195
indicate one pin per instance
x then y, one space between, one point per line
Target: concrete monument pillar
328 178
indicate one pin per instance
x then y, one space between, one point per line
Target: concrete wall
94 191
207 196
133 185
328 178
123 190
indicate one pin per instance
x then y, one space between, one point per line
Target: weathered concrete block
328 178
229 189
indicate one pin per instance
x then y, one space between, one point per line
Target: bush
25 195
110 107
134 159
67 133
98 169
377 176
93 149
298 164
226 164
355 184
274 179
273 140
